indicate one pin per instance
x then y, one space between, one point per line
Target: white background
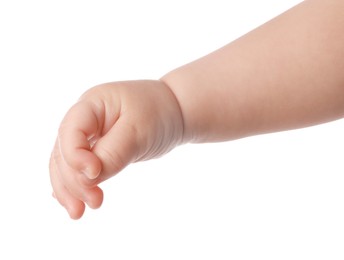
276 196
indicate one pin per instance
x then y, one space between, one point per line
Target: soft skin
111 126
286 74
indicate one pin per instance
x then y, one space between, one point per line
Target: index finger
78 130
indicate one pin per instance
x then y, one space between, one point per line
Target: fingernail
89 174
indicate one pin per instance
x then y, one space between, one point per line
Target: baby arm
285 74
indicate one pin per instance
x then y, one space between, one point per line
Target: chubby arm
286 74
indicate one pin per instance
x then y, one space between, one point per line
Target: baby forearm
286 74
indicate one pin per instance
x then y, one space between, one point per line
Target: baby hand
111 126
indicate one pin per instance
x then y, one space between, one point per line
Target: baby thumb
116 149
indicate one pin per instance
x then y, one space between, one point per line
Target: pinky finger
74 207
